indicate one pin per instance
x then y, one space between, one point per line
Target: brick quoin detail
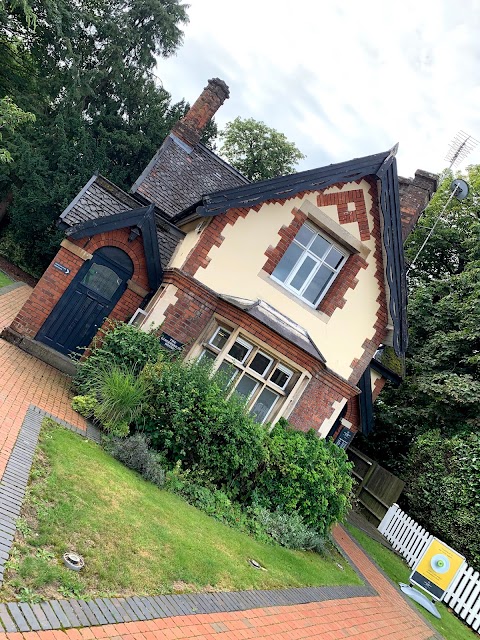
341 200
371 345
53 284
346 279
187 318
212 237
287 234
377 387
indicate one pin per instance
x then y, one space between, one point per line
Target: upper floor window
309 265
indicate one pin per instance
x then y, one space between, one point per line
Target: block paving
29 390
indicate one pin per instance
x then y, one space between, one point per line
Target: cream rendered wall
374 376
236 269
183 249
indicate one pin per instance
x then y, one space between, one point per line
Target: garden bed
135 538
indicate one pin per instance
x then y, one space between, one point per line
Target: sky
340 78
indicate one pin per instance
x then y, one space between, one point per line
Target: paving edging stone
10 287
66 614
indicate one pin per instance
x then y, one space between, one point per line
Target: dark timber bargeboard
65 614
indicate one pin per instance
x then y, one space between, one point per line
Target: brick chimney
415 194
190 127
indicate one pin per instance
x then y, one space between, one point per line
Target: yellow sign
437 568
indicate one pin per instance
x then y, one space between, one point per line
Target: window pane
207 356
318 284
263 405
246 386
280 378
240 350
334 258
288 261
302 274
260 363
228 371
304 235
320 246
220 338
102 280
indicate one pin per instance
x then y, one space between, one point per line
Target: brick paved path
25 381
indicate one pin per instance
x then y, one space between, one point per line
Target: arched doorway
88 300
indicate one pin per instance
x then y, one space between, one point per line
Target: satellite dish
462 189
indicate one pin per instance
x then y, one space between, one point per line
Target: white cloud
342 79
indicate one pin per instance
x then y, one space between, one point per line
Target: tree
258 151
434 416
85 71
11 117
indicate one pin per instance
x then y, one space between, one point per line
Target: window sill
319 315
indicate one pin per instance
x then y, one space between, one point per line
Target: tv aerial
460 147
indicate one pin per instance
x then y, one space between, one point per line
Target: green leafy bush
135 453
306 474
122 345
189 417
85 405
289 530
214 503
120 394
443 489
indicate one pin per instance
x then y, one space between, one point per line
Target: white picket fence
409 539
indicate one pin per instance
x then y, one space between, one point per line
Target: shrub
122 345
443 489
120 396
289 530
85 405
306 474
214 503
135 453
189 417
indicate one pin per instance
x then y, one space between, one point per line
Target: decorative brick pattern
346 279
377 387
371 345
287 234
212 237
342 199
54 283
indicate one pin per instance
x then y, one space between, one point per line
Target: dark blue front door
88 300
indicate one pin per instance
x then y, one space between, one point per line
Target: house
289 285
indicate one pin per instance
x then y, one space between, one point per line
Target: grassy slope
398 571
4 280
134 537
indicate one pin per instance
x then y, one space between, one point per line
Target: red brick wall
54 283
187 318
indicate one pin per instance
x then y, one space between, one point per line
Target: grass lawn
4 280
135 538
397 569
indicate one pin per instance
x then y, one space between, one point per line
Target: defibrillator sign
437 568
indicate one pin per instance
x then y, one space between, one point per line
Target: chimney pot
191 127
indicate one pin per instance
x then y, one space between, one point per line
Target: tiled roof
178 176
101 198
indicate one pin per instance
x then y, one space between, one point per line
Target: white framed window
256 375
138 317
310 265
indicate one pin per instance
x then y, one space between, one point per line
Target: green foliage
122 345
11 117
86 73
258 151
189 418
289 530
85 405
120 394
306 474
214 503
443 489
135 453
